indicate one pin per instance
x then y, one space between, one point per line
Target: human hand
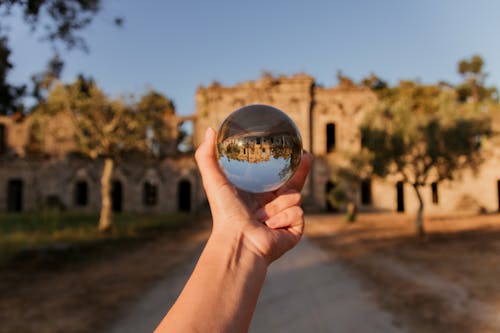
268 224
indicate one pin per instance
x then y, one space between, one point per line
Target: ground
57 294
445 282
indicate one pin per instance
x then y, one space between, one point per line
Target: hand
268 224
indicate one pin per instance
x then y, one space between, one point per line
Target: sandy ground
447 282
305 291
341 278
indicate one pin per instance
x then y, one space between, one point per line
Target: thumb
214 181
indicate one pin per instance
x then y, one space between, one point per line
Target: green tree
158 111
422 134
104 129
349 178
473 87
61 22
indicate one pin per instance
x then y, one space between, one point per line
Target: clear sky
174 46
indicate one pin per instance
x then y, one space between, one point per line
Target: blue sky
174 46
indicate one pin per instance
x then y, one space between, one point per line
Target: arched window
81 193
149 194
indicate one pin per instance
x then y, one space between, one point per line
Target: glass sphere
258 148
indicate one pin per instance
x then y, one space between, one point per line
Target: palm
271 222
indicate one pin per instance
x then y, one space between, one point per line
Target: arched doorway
184 196
329 186
15 195
81 194
116 196
400 197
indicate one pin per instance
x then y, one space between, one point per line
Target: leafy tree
61 21
474 77
9 94
349 177
422 134
103 129
158 112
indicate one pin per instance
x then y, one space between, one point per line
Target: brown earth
447 282
84 295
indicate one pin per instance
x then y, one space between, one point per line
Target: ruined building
328 119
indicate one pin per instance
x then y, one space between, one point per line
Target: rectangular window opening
435 196
330 137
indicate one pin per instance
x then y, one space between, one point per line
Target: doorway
400 197
184 196
116 196
15 195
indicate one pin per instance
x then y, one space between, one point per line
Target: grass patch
55 231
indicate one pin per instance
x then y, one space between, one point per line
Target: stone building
328 119
44 171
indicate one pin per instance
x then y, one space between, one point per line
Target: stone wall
316 110
342 108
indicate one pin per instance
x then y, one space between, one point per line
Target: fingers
213 178
300 176
288 218
286 200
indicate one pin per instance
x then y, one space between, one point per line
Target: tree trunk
106 212
419 223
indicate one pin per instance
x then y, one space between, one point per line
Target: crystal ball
258 148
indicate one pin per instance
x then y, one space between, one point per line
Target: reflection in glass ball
258 148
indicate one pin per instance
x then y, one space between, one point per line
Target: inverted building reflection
255 148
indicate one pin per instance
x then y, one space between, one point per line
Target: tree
159 113
61 21
474 77
349 177
422 134
103 129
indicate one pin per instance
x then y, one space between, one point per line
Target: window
81 194
3 138
150 194
15 195
435 197
400 196
330 137
366 192
257 141
184 196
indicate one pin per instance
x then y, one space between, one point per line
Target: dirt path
305 291
447 282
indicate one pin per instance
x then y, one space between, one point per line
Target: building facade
327 118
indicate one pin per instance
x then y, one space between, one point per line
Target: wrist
237 249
